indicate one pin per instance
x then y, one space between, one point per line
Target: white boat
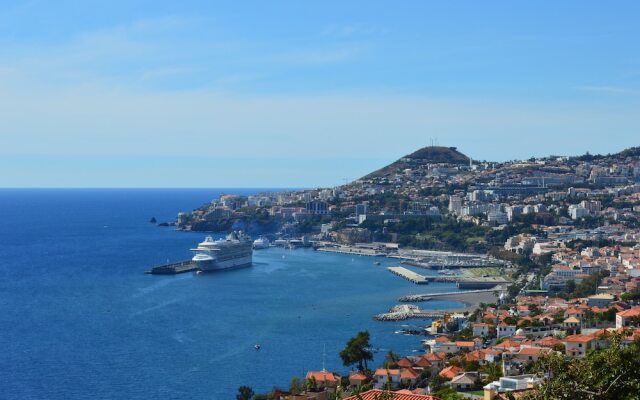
233 252
261 243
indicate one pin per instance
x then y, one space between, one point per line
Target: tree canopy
357 351
606 374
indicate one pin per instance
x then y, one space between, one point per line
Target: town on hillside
557 237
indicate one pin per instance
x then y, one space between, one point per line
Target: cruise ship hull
216 265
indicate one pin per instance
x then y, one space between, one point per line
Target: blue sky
300 94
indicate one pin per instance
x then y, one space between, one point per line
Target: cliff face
426 155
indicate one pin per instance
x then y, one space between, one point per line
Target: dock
461 281
429 296
352 251
173 268
409 275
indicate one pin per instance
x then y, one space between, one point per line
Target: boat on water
236 251
261 243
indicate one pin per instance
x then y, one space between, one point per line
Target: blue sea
79 319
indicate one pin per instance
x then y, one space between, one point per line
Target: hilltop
425 155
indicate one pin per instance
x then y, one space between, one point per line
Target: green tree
608 374
244 393
312 385
296 386
357 351
493 371
391 360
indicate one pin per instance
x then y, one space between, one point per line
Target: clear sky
127 93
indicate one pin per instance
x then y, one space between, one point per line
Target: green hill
426 155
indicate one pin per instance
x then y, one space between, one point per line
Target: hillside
426 155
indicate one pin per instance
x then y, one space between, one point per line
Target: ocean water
79 319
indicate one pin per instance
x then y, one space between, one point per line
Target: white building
455 204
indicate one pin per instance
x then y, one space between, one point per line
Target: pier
352 251
409 275
429 296
173 268
461 281
406 311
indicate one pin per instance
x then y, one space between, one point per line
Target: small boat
257 346
376 263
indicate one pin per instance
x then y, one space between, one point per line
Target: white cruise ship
233 252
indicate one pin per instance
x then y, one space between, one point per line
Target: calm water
79 319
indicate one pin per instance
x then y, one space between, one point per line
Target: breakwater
407 311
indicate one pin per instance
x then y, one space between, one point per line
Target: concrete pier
173 268
352 251
409 275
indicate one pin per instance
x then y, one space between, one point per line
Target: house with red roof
357 379
376 394
481 329
578 345
505 330
450 372
324 379
626 318
384 376
531 354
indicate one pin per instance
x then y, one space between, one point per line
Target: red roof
408 373
578 339
433 357
632 312
322 376
358 376
405 362
450 372
403 395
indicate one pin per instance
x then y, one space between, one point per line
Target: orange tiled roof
408 373
385 372
532 351
632 312
358 376
405 362
578 339
450 372
433 357
321 376
374 394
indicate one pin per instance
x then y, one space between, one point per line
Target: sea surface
79 319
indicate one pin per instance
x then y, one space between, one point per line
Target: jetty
461 281
409 275
406 311
173 268
430 296
352 251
